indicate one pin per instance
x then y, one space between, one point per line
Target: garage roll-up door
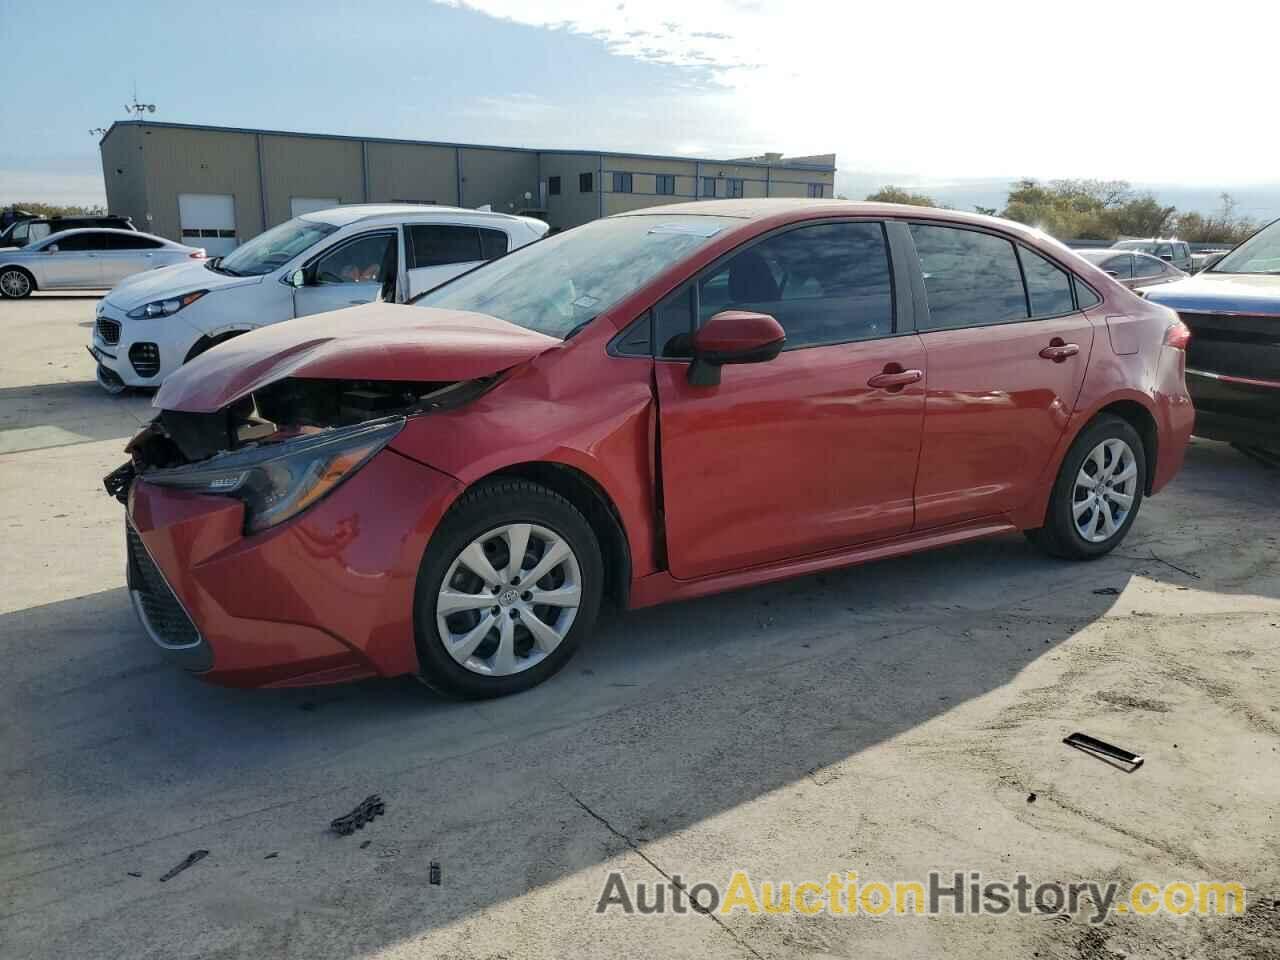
209 221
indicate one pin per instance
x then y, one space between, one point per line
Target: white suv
152 323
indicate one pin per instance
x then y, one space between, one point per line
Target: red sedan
654 406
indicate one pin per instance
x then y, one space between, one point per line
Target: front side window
622 183
1049 287
81 241
435 244
827 283
733 187
271 250
1259 254
666 183
971 278
559 283
363 260
1146 265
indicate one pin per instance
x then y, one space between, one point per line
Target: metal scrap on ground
368 808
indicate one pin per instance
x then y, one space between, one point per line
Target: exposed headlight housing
280 480
165 308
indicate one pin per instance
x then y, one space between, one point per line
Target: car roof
354 212
132 234
761 208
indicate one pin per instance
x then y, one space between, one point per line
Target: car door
1006 361
351 271
437 252
127 254
814 450
73 260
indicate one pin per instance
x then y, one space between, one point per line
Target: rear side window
435 244
971 278
827 283
1049 287
493 243
1085 297
1122 267
1147 266
135 241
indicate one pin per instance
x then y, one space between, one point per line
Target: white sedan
152 324
87 259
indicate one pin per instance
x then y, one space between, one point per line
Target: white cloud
956 89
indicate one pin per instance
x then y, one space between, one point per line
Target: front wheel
15 283
1097 494
509 585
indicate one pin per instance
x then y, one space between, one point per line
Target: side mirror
297 279
733 336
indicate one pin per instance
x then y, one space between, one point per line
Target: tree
893 194
1223 227
1094 209
58 210
986 211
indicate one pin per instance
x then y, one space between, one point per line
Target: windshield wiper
578 328
216 266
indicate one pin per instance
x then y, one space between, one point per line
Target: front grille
145 358
160 610
109 330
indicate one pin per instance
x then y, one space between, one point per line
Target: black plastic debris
1108 592
1116 756
1031 797
368 808
192 858
433 873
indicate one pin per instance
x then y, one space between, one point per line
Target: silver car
87 259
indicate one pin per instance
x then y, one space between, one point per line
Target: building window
622 183
553 186
708 186
815 190
667 183
733 187
584 183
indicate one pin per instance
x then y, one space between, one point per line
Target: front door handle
1058 351
895 379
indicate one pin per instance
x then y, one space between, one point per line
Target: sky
955 97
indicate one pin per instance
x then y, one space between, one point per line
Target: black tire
5 287
208 343
490 504
1059 536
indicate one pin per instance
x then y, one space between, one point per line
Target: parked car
151 325
653 406
1170 251
1133 269
87 260
1203 259
1233 363
25 232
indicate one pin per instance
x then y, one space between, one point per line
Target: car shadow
668 718
34 417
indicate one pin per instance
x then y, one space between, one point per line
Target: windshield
273 249
557 284
1259 254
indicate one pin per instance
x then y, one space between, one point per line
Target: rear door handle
1058 351
895 379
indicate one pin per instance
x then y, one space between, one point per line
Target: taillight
198 255
1177 336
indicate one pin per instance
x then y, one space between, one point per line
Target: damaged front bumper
270 555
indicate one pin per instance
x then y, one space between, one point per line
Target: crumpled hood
171 281
375 341
1257 294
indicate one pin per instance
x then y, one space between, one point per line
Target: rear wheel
1097 494
509 585
16 283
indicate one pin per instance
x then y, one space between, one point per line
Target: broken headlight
279 480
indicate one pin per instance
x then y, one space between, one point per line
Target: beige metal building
218 186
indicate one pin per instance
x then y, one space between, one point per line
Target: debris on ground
433 876
1108 592
1117 756
1031 797
192 858
368 808
134 874
272 855
365 844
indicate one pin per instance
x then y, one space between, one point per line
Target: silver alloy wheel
1104 491
509 599
15 283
